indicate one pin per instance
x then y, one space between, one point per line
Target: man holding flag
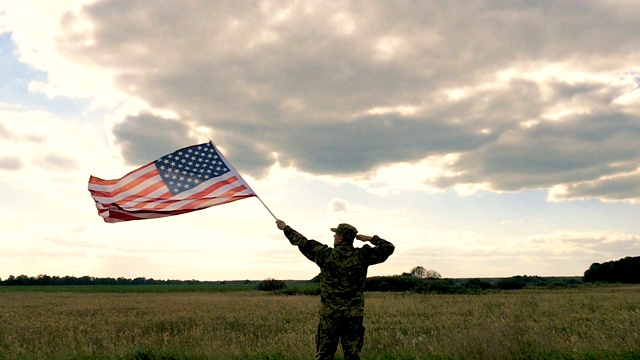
198 177
343 271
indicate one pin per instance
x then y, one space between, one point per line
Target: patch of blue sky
15 78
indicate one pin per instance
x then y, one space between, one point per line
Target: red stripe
97 181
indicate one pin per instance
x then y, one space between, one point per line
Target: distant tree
43 280
432 274
24 280
391 283
85 280
271 285
422 273
512 283
477 285
419 272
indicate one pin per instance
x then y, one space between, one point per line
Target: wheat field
581 323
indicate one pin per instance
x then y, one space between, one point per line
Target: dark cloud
364 143
245 153
59 162
574 150
300 80
621 187
146 137
11 163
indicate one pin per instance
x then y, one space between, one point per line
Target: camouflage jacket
343 271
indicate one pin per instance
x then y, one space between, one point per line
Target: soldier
343 271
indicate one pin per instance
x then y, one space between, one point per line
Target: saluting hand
364 237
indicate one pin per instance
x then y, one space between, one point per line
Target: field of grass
587 322
180 288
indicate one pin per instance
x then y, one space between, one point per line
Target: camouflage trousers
348 330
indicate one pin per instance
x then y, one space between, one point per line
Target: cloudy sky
482 138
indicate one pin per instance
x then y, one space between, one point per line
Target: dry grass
598 322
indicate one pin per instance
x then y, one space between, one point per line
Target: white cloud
47 149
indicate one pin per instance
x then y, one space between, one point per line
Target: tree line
419 279
625 270
464 286
24 280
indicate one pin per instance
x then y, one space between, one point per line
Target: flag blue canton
189 167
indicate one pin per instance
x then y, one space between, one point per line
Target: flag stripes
144 192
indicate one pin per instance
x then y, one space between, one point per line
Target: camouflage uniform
343 271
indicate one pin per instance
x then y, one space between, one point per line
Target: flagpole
234 169
266 207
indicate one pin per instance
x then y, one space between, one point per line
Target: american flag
189 179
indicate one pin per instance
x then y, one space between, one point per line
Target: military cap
345 230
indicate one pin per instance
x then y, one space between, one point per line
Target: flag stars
187 168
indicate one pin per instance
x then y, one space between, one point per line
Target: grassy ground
578 323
